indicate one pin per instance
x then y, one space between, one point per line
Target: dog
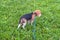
28 18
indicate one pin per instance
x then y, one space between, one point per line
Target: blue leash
34 26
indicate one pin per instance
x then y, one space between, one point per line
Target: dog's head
37 13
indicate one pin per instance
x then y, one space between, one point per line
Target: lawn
47 26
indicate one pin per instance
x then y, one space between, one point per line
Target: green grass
47 26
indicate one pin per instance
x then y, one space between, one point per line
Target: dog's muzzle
39 15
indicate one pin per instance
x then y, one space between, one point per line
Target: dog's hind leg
24 24
24 21
19 25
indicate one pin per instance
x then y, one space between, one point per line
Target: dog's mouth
39 15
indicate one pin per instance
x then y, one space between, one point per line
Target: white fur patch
24 24
19 26
39 15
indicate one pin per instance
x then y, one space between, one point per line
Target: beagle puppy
28 18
